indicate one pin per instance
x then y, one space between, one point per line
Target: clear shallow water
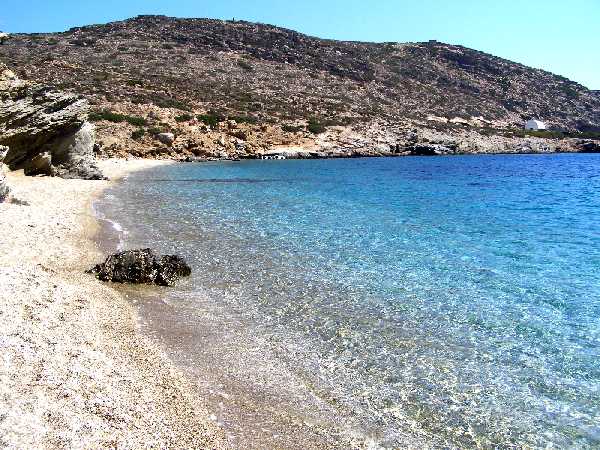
443 301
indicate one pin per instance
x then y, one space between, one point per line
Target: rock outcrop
166 138
142 267
430 149
4 189
46 130
587 146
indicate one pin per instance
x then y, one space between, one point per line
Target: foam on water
444 301
116 230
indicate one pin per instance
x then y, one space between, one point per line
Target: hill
283 88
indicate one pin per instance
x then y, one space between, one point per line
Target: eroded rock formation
142 267
46 130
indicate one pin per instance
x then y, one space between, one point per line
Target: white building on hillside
535 125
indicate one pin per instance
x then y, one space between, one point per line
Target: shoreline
255 410
379 391
365 156
78 369
75 371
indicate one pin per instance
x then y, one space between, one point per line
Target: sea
424 302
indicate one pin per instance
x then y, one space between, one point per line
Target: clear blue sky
562 36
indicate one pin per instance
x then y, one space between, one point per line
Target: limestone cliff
45 130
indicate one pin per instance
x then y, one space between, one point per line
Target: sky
561 36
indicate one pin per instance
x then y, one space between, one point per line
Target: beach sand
74 373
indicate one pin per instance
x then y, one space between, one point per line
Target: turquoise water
453 301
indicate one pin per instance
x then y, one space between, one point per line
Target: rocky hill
244 89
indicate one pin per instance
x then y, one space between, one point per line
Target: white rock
166 138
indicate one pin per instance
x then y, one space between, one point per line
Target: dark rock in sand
172 267
142 267
38 165
4 189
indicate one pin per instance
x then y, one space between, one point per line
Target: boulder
47 131
38 165
425 149
4 189
171 268
587 146
166 138
142 267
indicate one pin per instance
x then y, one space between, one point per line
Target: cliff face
279 83
46 131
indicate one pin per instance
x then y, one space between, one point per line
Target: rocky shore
193 140
74 372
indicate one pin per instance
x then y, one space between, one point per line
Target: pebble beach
74 373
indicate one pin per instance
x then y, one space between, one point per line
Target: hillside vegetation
262 75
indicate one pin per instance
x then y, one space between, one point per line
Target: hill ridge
273 76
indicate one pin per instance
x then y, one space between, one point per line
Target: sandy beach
74 373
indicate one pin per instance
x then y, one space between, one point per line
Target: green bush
134 83
211 118
155 130
168 102
587 135
138 134
244 119
292 128
315 127
184 118
117 118
244 65
83 42
545 134
570 92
